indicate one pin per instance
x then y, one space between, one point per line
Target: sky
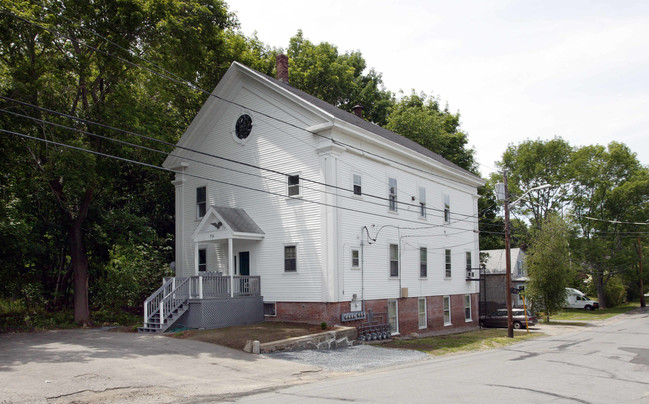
515 70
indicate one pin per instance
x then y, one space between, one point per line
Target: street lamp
502 193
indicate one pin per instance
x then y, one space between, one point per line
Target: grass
236 337
600 314
468 341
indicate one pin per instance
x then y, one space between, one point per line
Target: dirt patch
236 337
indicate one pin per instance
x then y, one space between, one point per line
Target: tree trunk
599 284
79 262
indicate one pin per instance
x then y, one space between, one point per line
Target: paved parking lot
101 366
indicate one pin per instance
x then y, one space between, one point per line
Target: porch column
231 266
195 258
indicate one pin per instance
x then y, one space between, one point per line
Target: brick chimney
282 68
358 110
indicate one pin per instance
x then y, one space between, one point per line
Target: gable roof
496 262
327 111
222 222
363 124
238 220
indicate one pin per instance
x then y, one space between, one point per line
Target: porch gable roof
220 223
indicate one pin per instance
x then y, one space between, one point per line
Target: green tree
533 163
51 56
548 266
420 117
610 194
338 79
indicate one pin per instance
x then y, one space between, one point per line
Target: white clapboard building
288 208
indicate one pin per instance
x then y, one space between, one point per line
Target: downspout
362 273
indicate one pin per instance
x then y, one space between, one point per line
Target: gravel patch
352 359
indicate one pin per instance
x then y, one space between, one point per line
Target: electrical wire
203 177
193 86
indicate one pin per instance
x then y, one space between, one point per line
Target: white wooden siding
325 233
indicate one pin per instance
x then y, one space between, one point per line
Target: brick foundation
316 313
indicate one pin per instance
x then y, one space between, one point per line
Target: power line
89 122
207 178
193 86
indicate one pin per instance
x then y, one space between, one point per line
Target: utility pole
642 303
508 264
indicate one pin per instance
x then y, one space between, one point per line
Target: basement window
270 309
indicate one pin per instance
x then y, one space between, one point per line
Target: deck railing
210 286
172 293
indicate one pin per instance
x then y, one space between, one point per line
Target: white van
577 300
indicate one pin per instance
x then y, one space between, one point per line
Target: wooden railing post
161 312
146 312
200 287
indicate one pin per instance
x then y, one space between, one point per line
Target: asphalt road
605 363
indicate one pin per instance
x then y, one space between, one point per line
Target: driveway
100 366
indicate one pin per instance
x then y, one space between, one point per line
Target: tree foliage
548 266
603 190
421 118
57 55
338 79
534 163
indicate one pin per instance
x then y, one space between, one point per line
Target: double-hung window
447 209
421 313
469 261
202 260
447 263
290 258
294 185
447 310
467 307
422 202
355 258
423 262
392 194
394 260
201 202
357 185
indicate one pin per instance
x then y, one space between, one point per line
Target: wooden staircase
165 306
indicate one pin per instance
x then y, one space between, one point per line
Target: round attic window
243 127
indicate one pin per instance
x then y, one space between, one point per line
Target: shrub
614 292
131 275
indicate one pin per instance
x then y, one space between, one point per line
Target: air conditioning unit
404 292
469 274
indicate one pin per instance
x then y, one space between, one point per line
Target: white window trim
196 216
396 309
470 319
427 260
446 276
351 257
425 207
425 312
355 195
446 201
299 185
198 258
396 196
297 255
390 276
450 318
274 310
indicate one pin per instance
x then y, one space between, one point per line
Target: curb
338 338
